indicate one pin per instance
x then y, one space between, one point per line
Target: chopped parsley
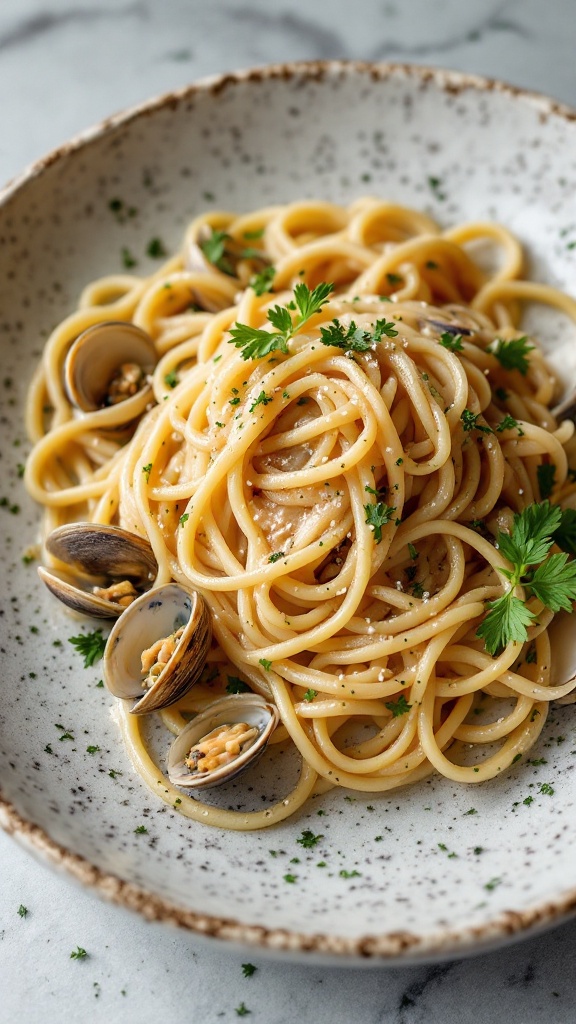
147 470
128 260
377 516
290 879
171 379
155 249
398 707
262 281
92 750
349 874
78 953
22 911
509 423
356 339
214 249
89 645
470 422
453 342
248 970
267 665
141 830
310 694
513 355
275 556
263 399
184 518
308 840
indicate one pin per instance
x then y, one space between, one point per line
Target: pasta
337 497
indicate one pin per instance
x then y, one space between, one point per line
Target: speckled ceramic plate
431 871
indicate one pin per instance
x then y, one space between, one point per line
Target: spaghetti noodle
336 497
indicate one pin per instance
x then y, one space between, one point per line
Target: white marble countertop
64 64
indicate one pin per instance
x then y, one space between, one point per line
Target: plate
432 871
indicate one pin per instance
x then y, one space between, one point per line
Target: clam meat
98 570
222 741
158 647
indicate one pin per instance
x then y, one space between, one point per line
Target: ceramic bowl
432 871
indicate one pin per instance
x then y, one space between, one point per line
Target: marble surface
65 64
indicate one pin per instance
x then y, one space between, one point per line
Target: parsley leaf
171 379
508 423
310 302
262 281
256 342
248 970
275 556
399 707
214 249
470 422
89 645
78 953
310 694
513 355
377 516
553 582
355 339
506 621
453 342
308 839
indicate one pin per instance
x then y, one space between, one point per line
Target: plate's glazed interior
428 870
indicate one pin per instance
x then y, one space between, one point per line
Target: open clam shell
260 717
109 364
92 557
152 618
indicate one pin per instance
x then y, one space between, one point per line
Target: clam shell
155 615
242 707
91 554
95 357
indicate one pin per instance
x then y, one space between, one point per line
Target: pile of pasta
336 506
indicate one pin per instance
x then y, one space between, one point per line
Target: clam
102 568
157 648
222 741
108 364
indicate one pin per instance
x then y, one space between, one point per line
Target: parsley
310 694
253 235
349 874
263 399
248 970
92 750
262 281
508 423
141 830
214 249
147 470
356 339
565 534
89 645
290 878
22 911
308 840
394 278
546 473
399 707
436 185
412 552
267 665
453 342
546 789
257 343
155 249
470 422
171 379
113 773
128 259
184 518
553 582
236 685
234 401
242 1010
275 556
377 516
78 953
513 355
493 884
478 850
501 394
